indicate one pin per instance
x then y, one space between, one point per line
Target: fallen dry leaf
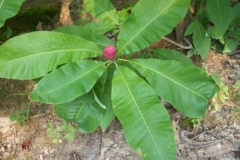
26 143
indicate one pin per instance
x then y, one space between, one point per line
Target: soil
215 137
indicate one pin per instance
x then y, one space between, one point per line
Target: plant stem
179 45
29 103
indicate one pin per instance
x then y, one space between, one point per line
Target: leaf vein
166 9
49 92
79 111
170 80
42 53
107 14
141 113
1 4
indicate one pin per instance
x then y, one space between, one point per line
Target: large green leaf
68 82
149 22
84 111
103 10
33 55
219 12
9 8
95 38
145 121
186 87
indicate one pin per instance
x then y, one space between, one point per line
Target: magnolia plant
90 79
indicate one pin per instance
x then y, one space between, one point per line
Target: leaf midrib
107 14
183 86
140 112
1 4
42 53
146 26
221 21
50 91
200 31
79 112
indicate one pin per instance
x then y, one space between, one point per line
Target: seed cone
109 52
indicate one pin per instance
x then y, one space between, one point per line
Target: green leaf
63 127
21 120
70 128
168 54
235 15
51 135
149 22
8 9
230 46
201 42
99 27
145 121
234 34
204 18
7 33
13 116
123 14
68 82
69 136
186 87
219 12
191 52
33 55
86 34
106 99
201 8
216 46
103 10
190 29
214 33
24 112
86 113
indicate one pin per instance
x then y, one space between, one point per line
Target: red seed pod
109 52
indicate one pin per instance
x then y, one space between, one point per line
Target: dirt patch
110 144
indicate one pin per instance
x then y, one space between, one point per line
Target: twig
193 144
199 135
179 45
233 52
